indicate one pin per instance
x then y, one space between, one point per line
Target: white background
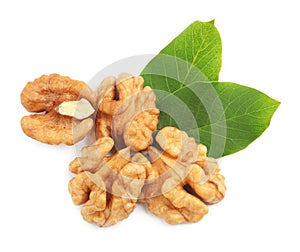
79 38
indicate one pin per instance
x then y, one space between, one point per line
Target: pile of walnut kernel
125 164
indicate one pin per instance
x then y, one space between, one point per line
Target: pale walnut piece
46 94
126 112
186 181
107 185
78 109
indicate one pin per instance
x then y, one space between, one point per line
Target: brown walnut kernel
186 187
108 186
53 128
126 112
45 94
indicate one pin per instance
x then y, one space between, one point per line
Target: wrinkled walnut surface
44 94
48 91
99 207
52 128
171 173
176 182
185 188
108 185
126 112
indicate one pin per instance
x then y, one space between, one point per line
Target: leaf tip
276 103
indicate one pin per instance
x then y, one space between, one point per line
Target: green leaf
224 116
200 45
248 113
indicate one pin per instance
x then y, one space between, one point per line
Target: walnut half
50 94
126 112
107 185
187 180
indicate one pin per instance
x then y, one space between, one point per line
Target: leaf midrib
234 117
198 51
